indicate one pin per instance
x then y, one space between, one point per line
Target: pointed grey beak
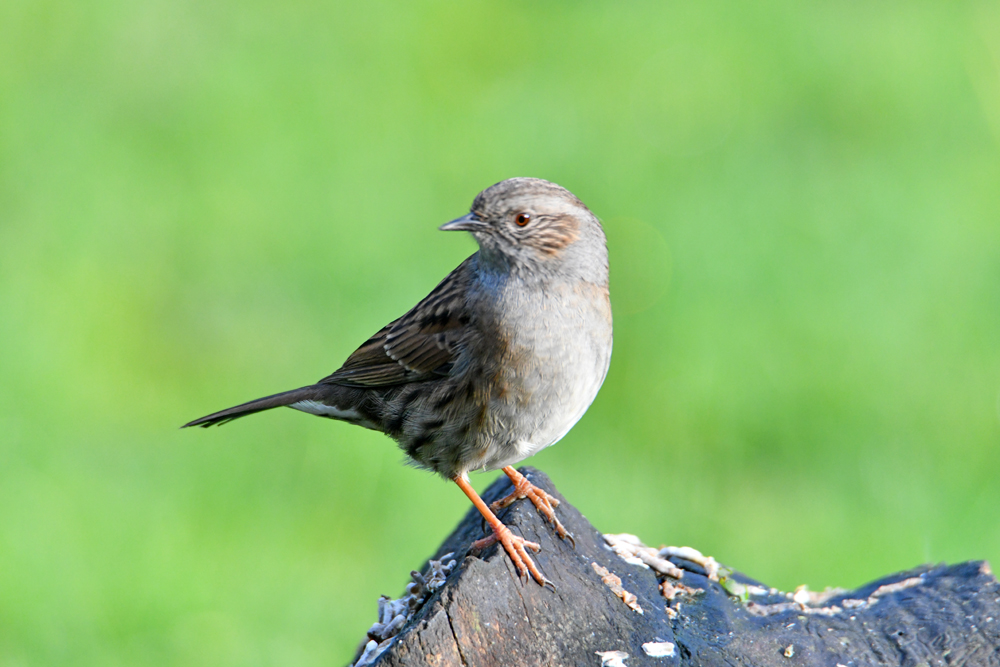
467 223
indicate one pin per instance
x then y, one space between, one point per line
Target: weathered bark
483 615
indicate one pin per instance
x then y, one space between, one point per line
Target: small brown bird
498 362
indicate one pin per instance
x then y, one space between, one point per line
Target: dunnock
498 362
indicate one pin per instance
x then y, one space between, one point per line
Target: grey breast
556 342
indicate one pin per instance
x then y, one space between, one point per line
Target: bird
498 362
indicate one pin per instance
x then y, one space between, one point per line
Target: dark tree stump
483 615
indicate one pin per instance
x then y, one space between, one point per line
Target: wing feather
419 345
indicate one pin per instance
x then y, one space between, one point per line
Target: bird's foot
543 501
517 548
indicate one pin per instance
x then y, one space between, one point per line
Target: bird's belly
541 423
552 392
563 403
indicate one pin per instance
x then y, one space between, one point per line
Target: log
473 610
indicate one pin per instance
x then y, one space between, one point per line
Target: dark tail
261 404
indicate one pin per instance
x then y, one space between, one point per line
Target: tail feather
261 404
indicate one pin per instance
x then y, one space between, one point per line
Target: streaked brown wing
418 346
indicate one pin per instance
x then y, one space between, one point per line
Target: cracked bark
458 646
484 616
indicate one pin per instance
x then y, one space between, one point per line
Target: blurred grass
201 203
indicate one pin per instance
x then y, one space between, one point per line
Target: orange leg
543 502
516 547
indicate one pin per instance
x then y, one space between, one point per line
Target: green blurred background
203 203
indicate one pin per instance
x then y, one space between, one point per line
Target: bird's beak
467 223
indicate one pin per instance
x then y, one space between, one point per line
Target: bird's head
529 223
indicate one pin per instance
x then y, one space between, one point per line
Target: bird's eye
522 219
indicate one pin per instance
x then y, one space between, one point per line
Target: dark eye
522 219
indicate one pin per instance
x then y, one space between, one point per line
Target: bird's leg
544 502
516 547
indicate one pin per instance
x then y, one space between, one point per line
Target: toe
506 501
528 563
551 500
517 548
487 541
